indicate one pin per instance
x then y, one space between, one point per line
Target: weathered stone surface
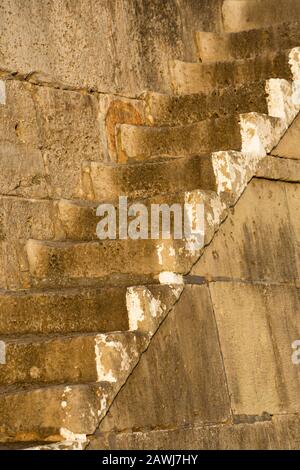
288 147
162 109
27 218
52 413
75 359
78 219
83 263
114 47
47 134
282 169
259 225
221 47
14 265
62 139
22 171
180 377
255 342
239 15
86 310
282 433
142 143
292 195
257 326
188 78
107 182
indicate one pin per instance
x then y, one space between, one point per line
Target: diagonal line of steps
71 411
35 413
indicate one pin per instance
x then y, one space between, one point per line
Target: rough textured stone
280 433
257 326
239 15
82 263
188 78
52 414
259 225
114 47
97 310
47 134
222 47
283 169
69 116
162 109
142 143
75 359
106 182
180 377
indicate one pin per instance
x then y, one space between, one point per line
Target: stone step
239 15
52 413
70 359
222 47
63 311
138 143
86 263
102 182
74 213
55 264
190 78
256 135
65 414
174 110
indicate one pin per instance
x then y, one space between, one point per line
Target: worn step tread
204 137
171 110
61 311
74 216
52 413
70 359
103 182
193 77
249 14
221 47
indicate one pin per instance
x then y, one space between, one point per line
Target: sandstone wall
120 46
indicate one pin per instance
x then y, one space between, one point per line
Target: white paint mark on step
2 92
2 353
169 278
134 308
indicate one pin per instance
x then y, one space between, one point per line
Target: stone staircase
77 313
